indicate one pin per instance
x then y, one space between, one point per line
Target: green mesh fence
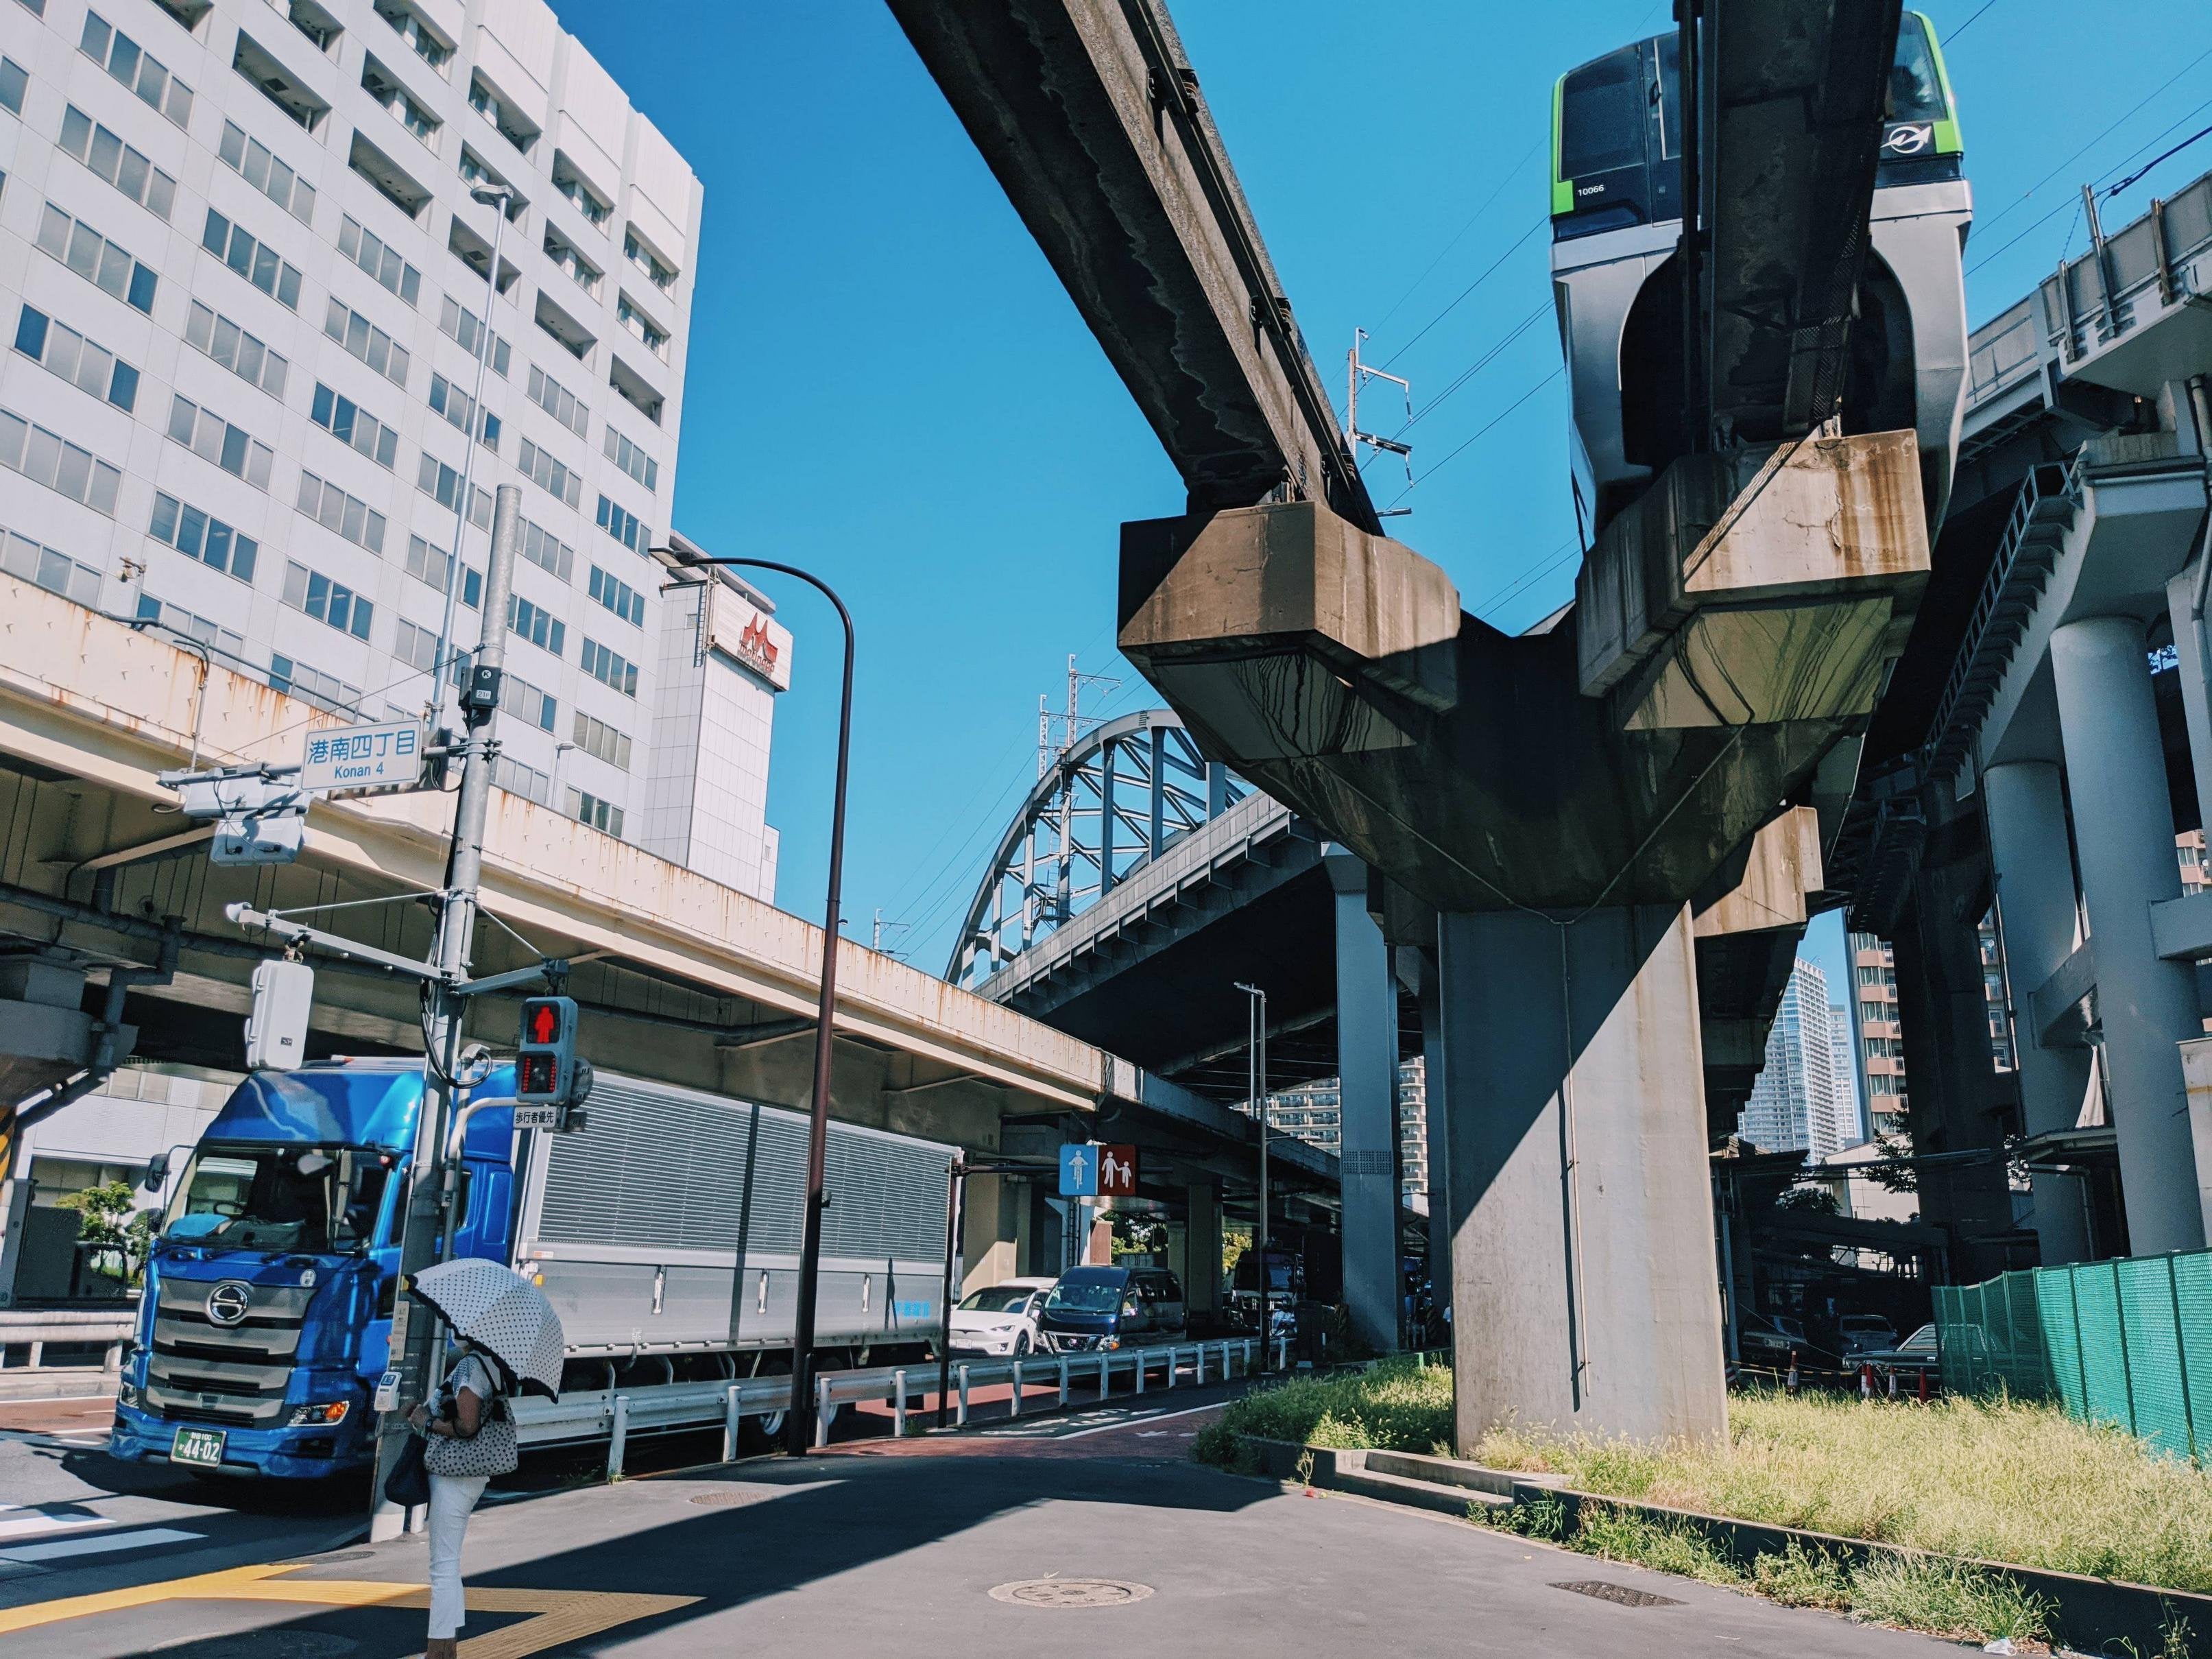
2121 1342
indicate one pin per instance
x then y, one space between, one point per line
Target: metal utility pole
415 1355
1256 1077
798 1421
1357 374
496 197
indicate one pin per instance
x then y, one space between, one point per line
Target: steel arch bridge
1110 804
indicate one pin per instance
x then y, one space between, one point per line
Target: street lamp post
798 1421
1256 1077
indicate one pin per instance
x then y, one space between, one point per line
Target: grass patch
1948 1598
1994 1479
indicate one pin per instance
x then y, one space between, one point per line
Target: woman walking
471 1438
510 1341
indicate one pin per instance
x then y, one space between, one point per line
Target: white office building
244 283
1794 1103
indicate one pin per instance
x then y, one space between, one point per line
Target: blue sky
887 385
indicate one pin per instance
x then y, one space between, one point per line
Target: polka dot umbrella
503 1314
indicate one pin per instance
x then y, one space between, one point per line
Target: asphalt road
915 1547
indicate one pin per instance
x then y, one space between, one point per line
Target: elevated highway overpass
111 911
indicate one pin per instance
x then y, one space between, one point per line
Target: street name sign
355 759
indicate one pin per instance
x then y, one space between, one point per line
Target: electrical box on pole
276 1028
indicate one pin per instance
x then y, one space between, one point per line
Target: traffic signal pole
414 1331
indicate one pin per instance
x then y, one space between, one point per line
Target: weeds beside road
1992 1480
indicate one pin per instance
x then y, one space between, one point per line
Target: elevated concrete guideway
1551 814
685 980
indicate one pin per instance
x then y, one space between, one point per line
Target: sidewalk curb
2094 1614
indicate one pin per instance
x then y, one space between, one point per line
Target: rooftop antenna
1357 374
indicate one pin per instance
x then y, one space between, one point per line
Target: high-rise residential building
1793 1101
1314 1112
1880 1045
1851 1120
250 295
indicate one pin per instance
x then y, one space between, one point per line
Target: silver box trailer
671 1226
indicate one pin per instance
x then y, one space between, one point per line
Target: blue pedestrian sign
1079 1171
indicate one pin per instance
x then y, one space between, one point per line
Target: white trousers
451 1498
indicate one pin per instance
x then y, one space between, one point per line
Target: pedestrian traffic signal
546 1058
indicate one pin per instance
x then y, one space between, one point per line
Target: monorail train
1616 219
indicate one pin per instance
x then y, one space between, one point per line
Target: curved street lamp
798 1421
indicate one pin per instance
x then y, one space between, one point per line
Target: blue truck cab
266 1314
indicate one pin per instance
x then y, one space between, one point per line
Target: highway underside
916 1548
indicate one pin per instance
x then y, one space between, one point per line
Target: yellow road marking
557 1616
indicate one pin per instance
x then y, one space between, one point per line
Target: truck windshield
278 1197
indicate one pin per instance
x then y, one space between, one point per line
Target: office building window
434 567
600 740
550 395
329 601
48 567
136 68
253 161
513 125
443 485
551 476
86 366
350 516
655 337
364 340
432 47
51 460
96 259
467 330
350 423
365 250
519 698
660 275
201 536
240 352
448 400
111 159
211 438
618 597
633 460
623 526
610 668
536 624
602 815
252 259
546 550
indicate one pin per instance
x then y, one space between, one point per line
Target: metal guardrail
615 1415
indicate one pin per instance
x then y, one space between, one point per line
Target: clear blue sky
887 385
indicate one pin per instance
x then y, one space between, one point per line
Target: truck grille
232 1373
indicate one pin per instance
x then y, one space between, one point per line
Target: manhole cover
1620 1595
1071 1593
268 1645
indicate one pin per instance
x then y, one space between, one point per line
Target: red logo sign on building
756 649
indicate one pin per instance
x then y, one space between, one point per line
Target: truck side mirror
157 1173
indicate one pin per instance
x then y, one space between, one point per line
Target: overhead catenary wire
1505 179
1482 432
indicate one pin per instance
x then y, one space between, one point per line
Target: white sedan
1001 1319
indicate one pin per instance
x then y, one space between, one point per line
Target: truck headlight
1109 1341
320 1416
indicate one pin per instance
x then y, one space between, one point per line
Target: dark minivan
1092 1307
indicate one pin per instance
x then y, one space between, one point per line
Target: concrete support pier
2124 826
1367 1067
1585 1287
1201 1258
2026 806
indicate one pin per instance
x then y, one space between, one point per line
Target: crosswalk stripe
22 1521
61 1549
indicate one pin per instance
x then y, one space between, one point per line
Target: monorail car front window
1916 92
1602 116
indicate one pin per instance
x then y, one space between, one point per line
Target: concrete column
1584 1283
1367 1068
2123 825
2026 808
2196 677
1201 1278
1099 1252
991 1231
1434 1056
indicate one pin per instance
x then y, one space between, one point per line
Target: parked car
1862 1336
1001 1320
1092 1307
1910 1358
1770 1340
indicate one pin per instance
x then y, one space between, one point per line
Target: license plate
200 1448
